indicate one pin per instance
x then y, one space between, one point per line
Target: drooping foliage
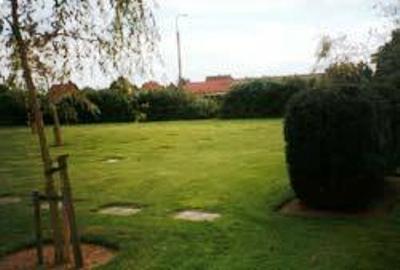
67 99
80 38
45 41
114 106
123 86
345 73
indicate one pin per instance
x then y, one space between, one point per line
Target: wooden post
38 226
67 234
70 211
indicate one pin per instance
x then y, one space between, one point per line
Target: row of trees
118 103
124 102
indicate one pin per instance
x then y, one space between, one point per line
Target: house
212 86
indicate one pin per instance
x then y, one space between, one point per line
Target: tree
348 73
389 9
387 60
49 40
61 92
123 86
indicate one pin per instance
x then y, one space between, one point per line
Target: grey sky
254 37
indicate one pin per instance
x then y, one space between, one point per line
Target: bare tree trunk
45 153
29 116
31 121
56 126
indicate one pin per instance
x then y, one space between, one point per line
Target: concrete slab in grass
119 210
6 200
196 215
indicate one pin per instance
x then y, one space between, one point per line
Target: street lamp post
178 41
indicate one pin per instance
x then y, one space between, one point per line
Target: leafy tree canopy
348 73
387 60
123 86
72 37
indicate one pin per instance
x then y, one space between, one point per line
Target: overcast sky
250 38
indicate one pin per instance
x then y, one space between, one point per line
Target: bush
334 148
257 99
173 104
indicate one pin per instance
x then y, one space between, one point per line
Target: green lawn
235 168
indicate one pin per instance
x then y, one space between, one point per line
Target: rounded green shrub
334 148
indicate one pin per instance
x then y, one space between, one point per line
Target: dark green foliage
114 106
123 86
258 98
174 104
345 73
389 110
12 107
334 148
387 61
387 82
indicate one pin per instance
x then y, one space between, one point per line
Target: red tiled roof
213 85
152 85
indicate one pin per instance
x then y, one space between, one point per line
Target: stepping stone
196 216
112 160
119 210
5 200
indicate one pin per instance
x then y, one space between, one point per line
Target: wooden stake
38 226
70 211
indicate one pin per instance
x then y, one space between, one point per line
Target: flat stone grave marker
119 210
112 160
8 199
196 215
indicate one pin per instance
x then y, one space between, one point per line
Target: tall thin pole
178 42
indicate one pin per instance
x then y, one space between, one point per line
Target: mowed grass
235 168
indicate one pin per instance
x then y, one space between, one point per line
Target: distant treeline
123 102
